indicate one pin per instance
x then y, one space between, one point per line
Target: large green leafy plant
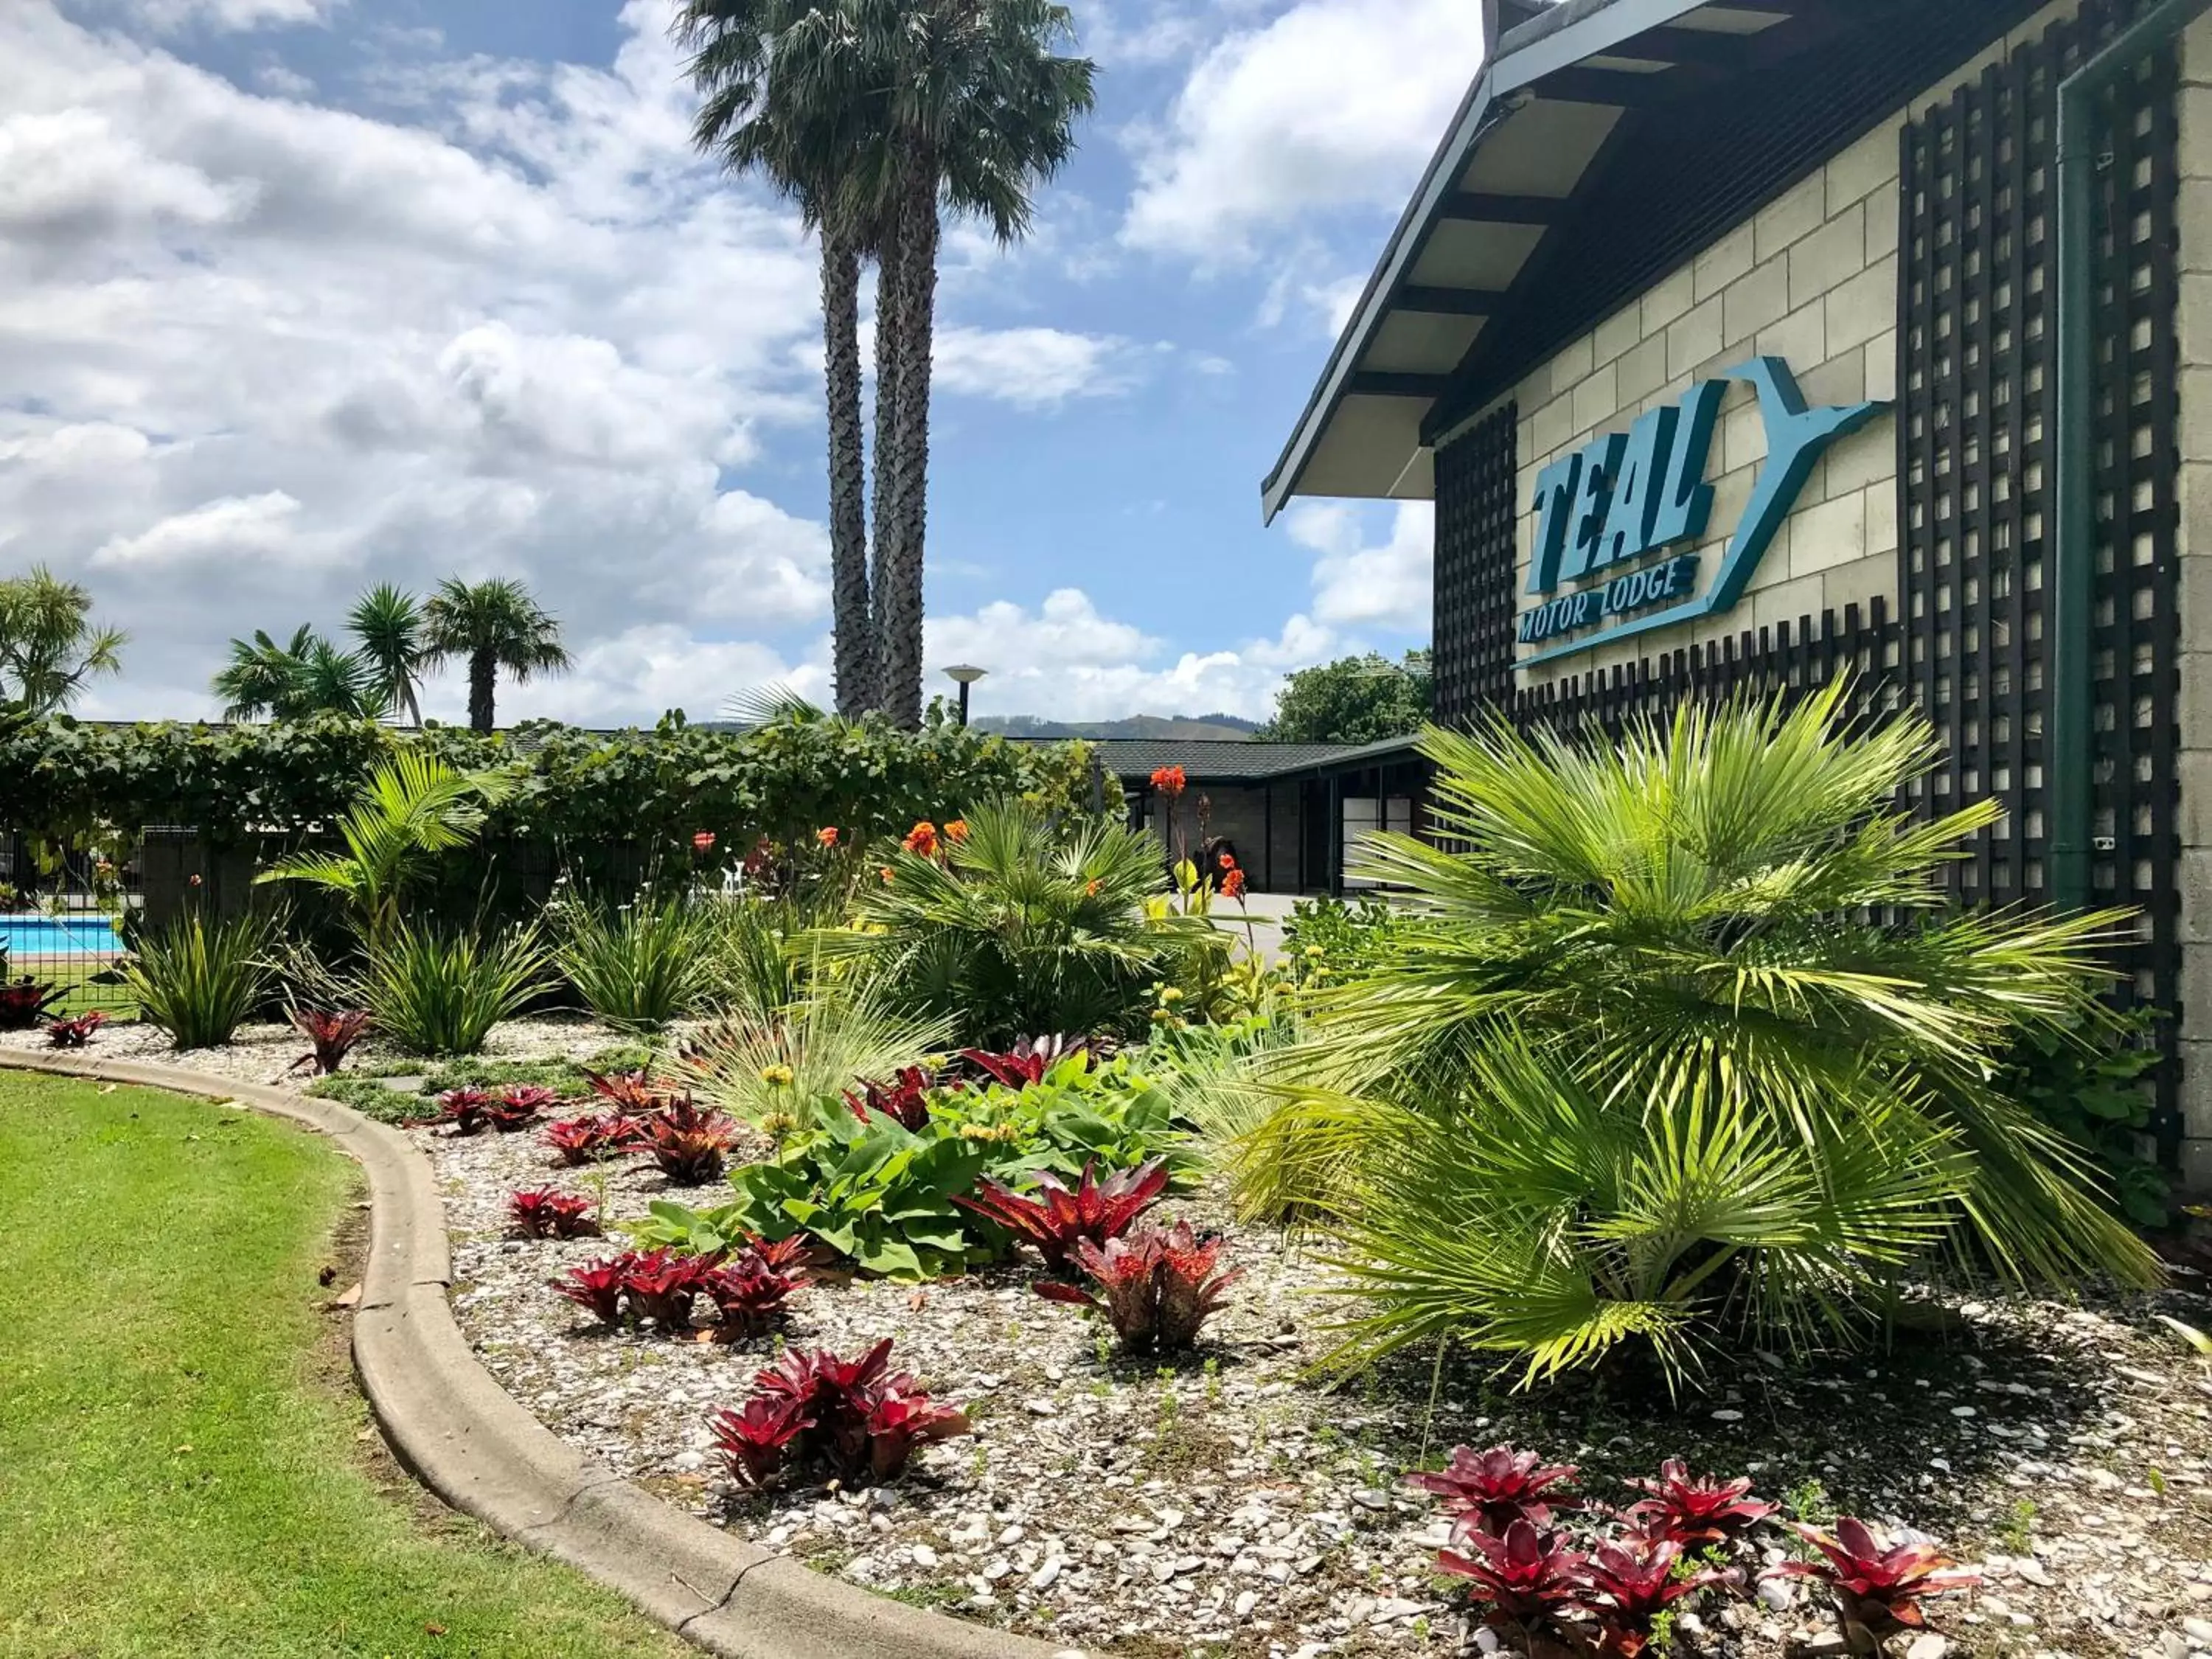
1634 1070
877 1185
1017 926
198 980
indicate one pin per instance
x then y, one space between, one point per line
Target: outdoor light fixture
967 674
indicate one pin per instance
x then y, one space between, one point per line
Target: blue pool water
58 936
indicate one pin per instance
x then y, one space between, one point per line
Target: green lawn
185 1468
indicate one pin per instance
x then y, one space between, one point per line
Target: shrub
641 966
440 993
199 980
1053 1218
596 1287
1524 1575
333 1034
1631 1074
1022 925
2089 1081
779 1063
516 1107
1695 1509
1155 1287
1631 1582
750 1290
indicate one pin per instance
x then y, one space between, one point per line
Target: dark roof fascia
1527 53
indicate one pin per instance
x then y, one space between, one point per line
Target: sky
300 295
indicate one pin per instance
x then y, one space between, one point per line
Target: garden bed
1229 1503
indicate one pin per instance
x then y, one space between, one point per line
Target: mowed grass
184 1468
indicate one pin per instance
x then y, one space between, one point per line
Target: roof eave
1513 68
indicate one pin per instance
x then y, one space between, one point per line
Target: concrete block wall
1812 278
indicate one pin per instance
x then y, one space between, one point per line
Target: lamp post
967 674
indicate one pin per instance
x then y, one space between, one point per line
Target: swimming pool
59 936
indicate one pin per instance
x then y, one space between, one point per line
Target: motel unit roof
1602 145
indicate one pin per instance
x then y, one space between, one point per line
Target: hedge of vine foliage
61 779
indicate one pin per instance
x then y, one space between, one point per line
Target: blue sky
296 295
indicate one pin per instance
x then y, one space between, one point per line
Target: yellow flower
776 1124
1313 953
1161 1014
779 1076
1173 995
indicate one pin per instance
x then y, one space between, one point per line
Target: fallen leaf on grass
109 1089
349 1298
917 1301
434 1629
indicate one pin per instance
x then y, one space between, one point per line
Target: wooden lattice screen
1976 407
1476 544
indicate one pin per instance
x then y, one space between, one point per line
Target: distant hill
1224 727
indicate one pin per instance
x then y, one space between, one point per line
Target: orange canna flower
827 834
921 840
886 873
1232 884
1227 860
1169 779
956 830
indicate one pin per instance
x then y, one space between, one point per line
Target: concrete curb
469 1442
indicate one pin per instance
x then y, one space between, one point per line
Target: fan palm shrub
436 992
641 965
1639 1067
198 980
1017 927
768 1065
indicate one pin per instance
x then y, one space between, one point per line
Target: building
1758 342
1284 810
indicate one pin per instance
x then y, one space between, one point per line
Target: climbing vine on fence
62 778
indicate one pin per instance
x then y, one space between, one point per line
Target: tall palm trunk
901 606
484 670
890 262
856 651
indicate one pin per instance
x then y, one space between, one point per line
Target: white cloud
1066 660
1035 367
1359 586
640 674
1334 104
229 15
529 333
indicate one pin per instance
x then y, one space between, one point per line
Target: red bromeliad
1487 1492
1053 1218
332 1034
661 1285
689 1144
905 1100
596 1287
1155 1286
75 1033
630 1093
1695 1509
583 1139
468 1110
753 1439
1026 1062
1631 1581
1525 1576
516 1107
24 1002
859 1415
1875 1585
751 1290
541 1212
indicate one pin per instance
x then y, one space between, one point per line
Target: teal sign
1642 492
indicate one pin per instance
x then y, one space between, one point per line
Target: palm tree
48 645
388 622
496 624
1631 1071
305 677
782 95
413 807
868 114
